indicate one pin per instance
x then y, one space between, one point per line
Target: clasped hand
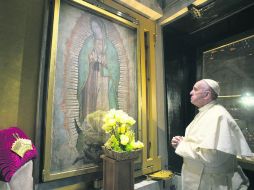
176 140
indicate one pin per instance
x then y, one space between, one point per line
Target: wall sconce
192 8
195 11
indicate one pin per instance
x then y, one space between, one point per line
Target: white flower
118 124
124 139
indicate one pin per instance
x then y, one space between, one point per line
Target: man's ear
208 95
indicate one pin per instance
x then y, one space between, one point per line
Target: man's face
198 94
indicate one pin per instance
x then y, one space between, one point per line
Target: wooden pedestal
118 174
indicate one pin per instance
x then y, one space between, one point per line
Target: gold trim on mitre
21 146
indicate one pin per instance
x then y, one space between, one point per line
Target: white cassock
210 148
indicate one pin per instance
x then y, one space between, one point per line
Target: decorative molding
141 9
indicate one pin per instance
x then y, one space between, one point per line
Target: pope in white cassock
211 144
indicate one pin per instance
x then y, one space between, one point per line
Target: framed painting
231 64
93 68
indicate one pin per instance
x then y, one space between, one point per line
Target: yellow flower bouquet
118 125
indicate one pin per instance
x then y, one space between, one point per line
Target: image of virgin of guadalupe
99 71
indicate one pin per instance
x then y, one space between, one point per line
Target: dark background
185 39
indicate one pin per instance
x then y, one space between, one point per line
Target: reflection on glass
247 100
232 66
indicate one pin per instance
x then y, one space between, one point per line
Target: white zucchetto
214 85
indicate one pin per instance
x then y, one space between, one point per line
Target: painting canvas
232 66
95 70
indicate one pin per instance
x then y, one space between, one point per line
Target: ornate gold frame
147 114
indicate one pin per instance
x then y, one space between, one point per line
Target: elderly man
211 143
